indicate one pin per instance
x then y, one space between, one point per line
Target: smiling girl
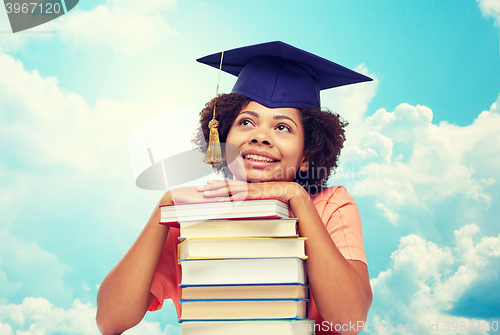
287 149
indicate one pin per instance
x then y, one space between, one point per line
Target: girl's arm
340 287
124 295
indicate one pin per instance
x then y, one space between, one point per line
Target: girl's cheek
237 168
232 153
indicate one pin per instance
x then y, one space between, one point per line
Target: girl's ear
304 165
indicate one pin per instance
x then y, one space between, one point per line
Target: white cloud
118 28
388 213
5 329
30 270
425 281
57 142
61 156
403 159
47 114
125 27
490 8
149 7
13 42
48 126
154 329
38 316
7 290
351 101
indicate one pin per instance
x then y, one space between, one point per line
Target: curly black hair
324 137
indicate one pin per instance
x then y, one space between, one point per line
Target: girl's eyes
280 127
283 127
245 122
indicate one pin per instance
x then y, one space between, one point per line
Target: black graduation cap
276 74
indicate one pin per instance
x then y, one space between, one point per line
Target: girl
288 149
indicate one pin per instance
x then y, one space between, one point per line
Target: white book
254 327
243 271
260 208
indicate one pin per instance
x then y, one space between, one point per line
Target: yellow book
220 248
243 309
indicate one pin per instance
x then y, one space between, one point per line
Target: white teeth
259 158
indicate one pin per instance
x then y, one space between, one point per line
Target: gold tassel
213 155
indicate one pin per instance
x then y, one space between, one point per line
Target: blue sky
421 158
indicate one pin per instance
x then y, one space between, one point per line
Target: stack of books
243 268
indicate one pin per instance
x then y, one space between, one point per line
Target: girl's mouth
257 158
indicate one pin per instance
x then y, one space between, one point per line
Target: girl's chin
263 179
258 179
257 176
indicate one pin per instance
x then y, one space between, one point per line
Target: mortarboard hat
276 74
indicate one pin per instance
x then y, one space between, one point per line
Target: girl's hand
184 195
240 190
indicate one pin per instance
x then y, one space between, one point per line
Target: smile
258 158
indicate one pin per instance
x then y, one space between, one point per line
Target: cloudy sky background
422 157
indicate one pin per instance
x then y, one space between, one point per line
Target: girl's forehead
257 110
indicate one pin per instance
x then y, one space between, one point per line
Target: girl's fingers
213 185
223 192
231 186
216 193
241 190
221 189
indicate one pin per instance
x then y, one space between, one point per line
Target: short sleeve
167 276
340 214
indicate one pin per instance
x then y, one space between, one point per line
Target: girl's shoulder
337 208
333 194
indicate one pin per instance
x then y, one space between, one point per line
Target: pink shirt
339 213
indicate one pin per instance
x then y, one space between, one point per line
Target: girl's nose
261 137
266 142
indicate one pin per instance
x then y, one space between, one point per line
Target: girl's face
271 141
